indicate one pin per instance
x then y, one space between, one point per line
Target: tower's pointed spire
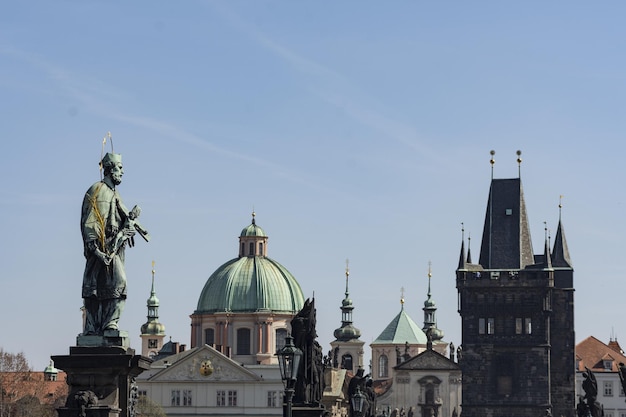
506 242
462 255
430 313
560 253
347 331
469 249
547 257
152 325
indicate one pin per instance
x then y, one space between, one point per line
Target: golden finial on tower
253 216
519 163
402 296
492 161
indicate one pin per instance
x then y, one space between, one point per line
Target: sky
356 130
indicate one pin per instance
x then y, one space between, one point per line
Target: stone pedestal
101 380
307 411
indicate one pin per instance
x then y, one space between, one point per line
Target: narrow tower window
383 364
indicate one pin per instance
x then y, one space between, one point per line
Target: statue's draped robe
104 286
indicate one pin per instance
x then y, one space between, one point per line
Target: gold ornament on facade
206 368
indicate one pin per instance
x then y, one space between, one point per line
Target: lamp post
289 361
358 402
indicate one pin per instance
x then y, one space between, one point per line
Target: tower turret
152 332
430 314
347 349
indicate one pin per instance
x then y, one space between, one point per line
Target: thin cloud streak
366 116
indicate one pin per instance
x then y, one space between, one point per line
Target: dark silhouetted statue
591 407
310 383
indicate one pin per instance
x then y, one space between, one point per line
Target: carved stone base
96 411
304 411
100 380
111 338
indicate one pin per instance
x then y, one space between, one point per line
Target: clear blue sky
355 129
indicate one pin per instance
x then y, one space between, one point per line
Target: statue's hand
106 259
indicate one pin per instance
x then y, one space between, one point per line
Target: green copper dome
251 282
253 230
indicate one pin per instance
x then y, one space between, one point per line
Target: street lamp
358 402
289 361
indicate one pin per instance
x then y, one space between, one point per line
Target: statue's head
112 166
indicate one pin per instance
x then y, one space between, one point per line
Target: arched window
281 334
383 366
242 249
260 248
251 251
209 337
243 341
430 394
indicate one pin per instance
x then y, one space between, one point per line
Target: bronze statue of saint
107 228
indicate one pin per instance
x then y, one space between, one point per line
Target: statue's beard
116 178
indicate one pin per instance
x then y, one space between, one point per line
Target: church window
481 325
175 397
187 398
281 335
251 251
261 248
232 398
209 337
273 398
608 388
383 366
346 362
221 398
243 341
528 328
430 394
242 248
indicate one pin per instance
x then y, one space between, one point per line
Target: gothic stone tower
517 311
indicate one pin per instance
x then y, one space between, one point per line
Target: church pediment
202 364
428 359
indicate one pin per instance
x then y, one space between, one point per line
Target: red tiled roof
592 353
615 346
33 383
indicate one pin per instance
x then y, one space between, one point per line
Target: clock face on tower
206 368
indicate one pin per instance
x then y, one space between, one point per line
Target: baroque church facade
242 318
412 374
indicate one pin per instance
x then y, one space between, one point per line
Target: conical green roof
402 329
